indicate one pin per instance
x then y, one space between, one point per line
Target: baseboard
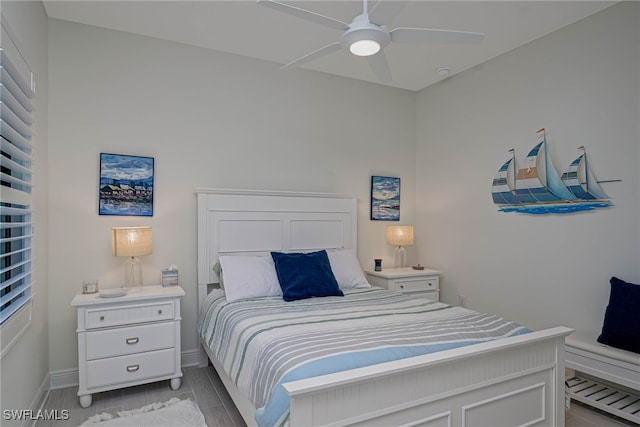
38 400
69 377
63 378
191 358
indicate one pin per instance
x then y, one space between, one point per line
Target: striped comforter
265 342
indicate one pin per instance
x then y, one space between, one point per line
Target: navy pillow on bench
621 326
305 275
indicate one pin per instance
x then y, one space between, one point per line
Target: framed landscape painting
126 185
385 198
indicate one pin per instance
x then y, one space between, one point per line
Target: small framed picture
385 198
126 185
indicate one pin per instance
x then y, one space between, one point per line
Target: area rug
174 413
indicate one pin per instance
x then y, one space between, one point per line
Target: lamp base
399 257
133 274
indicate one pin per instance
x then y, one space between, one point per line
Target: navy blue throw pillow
621 326
305 275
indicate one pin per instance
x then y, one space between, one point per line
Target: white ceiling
245 28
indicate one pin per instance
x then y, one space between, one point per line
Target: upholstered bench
611 380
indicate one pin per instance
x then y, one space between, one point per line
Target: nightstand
129 340
420 283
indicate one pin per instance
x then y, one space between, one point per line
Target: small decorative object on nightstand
420 283
89 286
170 275
128 340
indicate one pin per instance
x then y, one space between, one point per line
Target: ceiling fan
367 35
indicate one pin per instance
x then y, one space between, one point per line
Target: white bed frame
517 381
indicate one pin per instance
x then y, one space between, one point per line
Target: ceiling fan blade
313 55
380 66
383 12
305 14
431 35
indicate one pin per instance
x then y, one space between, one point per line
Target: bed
517 379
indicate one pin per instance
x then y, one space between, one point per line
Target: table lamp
132 242
400 235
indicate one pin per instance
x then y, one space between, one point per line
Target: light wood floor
201 385
204 387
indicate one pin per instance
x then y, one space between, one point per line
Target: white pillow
249 277
346 269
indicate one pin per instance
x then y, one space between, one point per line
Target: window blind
17 98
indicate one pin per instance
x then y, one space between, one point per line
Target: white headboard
258 222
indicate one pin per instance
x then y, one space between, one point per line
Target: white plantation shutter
16 137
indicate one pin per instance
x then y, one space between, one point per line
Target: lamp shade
131 241
400 235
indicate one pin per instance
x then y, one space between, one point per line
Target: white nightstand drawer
124 369
410 281
414 285
128 314
135 339
434 296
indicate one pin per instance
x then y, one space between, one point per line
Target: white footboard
517 381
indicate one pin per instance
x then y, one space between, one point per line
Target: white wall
582 83
210 120
25 367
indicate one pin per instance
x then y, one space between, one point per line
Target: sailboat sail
531 179
554 182
580 181
502 192
537 180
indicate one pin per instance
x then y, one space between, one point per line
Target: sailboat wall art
533 186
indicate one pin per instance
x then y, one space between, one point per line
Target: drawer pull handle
401 286
101 318
159 311
131 341
133 368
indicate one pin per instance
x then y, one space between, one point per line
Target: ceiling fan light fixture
364 47
364 38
